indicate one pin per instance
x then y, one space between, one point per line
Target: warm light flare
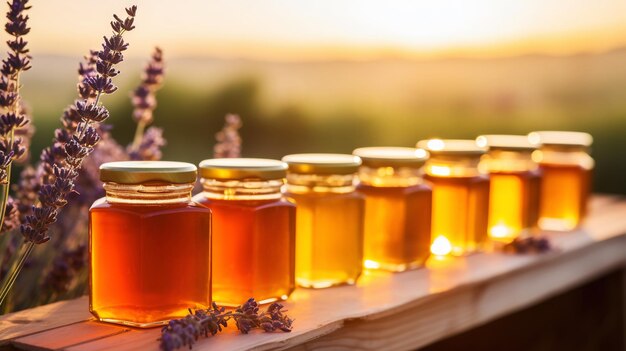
436 144
369 264
442 171
441 246
500 231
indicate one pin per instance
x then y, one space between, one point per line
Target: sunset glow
350 29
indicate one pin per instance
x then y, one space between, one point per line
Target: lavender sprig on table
186 331
69 150
228 139
530 244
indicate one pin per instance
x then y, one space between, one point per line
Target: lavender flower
531 244
228 139
186 331
64 268
144 103
274 319
12 119
17 61
11 216
25 133
150 147
26 192
88 184
63 160
143 98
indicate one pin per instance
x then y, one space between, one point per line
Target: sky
336 29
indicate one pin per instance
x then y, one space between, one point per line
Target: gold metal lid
139 172
390 156
322 163
560 138
242 168
505 142
452 147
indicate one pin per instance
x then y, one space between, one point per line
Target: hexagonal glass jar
515 186
566 168
460 196
150 245
398 207
253 229
329 221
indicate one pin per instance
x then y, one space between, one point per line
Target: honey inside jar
515 184
566 167
397 208
460 196
150 246
253 229
329 224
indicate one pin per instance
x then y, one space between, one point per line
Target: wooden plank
63 337
473 290
43 318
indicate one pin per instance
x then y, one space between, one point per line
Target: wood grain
63 337
42 318
390 311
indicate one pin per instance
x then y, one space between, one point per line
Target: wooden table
384 311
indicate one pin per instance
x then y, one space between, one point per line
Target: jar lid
242 168
322 163
560 138
138 172
390 156
505 142
453 147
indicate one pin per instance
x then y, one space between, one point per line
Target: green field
337 106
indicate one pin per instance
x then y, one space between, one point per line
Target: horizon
342 30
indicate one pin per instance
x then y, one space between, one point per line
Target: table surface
392 311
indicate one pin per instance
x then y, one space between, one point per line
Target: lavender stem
16 267
4 196
139 131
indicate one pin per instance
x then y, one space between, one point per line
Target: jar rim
505 142
561 138
461 147
322 163
140 172
391 156
242 169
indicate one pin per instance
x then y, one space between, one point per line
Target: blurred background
330 76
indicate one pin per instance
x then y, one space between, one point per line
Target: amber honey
329 220
514 203
515 185
254 247
460 196
567 168
460 211
327 235
150 246
397 226
253 229
565 193
398 207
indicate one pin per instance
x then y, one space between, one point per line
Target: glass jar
150 245
397 207
329 224
566 166
253 229
460 196
515 182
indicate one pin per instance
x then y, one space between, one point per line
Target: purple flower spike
61 162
